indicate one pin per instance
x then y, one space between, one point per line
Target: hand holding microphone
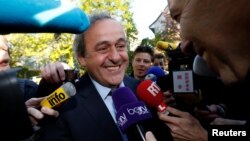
151 94
47 103
184 126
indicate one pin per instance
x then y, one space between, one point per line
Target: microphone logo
59 95
138 110
130 114
56 98
153 89
122 119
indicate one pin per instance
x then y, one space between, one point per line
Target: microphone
200 67
52 16
14 119
130 111
153 73
59 95
151 94
162 45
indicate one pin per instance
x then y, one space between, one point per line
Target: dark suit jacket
85 117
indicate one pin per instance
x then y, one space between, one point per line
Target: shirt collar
102 90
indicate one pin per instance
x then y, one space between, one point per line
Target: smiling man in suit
90 116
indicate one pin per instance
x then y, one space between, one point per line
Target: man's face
4 55
106 57
218 31
159 62
141 62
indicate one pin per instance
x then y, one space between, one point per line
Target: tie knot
110 93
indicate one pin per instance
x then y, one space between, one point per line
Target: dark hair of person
144 49
160 56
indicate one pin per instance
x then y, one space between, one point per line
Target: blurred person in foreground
28 87
28 90
223 43
89 115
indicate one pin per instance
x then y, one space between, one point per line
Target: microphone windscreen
130 111
150 93
122 96
31 16
200 67
162 45
69 88
156 70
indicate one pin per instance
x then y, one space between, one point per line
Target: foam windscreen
33 16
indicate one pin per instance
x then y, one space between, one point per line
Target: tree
172 30
170 34
35 50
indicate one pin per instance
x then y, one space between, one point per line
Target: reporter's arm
184 126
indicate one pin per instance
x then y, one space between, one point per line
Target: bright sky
145 13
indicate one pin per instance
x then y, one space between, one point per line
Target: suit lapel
94 104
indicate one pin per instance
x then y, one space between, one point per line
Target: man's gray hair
79 46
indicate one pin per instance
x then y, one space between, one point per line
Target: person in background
141 61
160 60
28 87
4 54
225 53
89 115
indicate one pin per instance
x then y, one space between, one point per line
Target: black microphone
130 112
14 120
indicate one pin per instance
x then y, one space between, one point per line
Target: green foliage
35 50
130 69
26 73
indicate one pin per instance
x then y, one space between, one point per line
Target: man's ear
81 61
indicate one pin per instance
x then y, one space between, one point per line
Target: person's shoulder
27 86
131 82
27 82
130 79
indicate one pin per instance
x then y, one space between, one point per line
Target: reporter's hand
35 114
54 73
184 126
208 114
